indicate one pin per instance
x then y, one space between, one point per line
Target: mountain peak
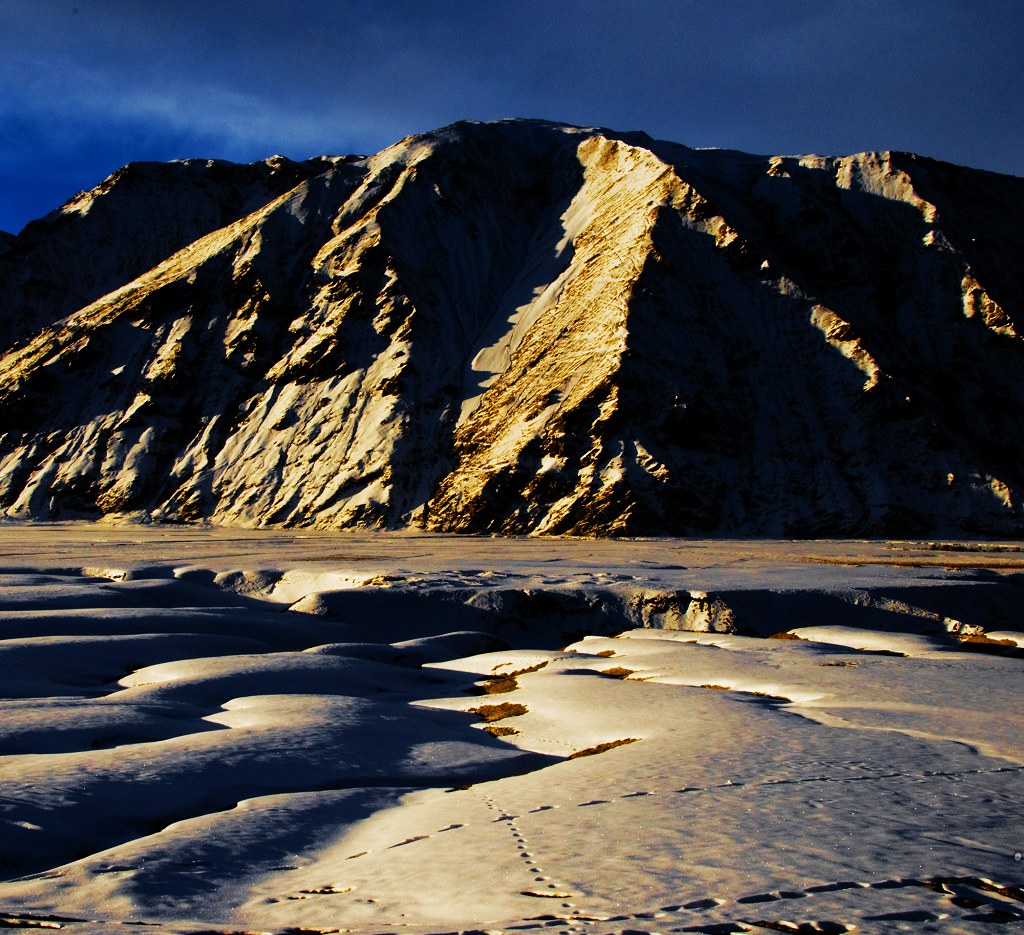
523 327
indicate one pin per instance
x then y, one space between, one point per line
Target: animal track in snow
983 900
418 837
543 886
980 901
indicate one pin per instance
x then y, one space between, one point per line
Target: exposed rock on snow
523 327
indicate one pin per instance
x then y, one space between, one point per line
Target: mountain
524 327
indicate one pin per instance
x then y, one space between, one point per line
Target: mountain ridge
524 327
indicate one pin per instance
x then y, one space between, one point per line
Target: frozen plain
241 731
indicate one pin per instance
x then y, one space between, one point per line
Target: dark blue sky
88 85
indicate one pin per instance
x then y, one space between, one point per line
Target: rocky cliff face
523 327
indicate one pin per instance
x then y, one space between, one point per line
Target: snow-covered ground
240 731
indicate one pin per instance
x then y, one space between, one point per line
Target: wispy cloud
74 101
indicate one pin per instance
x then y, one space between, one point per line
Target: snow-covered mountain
524 327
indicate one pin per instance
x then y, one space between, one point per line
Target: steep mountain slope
136 218
525 327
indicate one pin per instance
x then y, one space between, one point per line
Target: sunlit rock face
523 327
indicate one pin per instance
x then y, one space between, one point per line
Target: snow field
180 748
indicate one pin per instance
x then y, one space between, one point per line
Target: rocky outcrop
523 327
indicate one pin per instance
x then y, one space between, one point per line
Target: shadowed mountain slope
524 327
